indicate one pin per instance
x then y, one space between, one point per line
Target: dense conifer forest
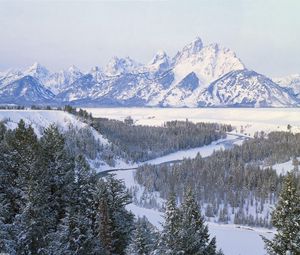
231 185
141 143
52 202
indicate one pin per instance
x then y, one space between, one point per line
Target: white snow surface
283 168
246 120
204 150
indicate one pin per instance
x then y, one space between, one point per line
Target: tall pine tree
286 219
184 230
194 236
144 238
168 243
115 222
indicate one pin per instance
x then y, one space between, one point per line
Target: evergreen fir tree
144 238
286 219
115 222
194 236
17 164
75 233
57 169
6 239
170 234
8 194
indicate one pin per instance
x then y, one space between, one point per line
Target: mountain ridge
197 76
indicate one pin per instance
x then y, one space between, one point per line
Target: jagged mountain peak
74 69
95 69
190 49
209 63
291 83
117 66
37 71
159 56
198 75
159 63
246 88
97 73
36 67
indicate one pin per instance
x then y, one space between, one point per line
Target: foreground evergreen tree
194 236
170 234
144 238
75 233
115 222
8 196
286 219
19 153
184 231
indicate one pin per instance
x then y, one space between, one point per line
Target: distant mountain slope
25 91
197 76
290 82
246 88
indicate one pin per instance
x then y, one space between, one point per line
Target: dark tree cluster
52 202
12 107
141 143
82 114
184 230
231 182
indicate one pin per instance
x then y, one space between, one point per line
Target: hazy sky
265 34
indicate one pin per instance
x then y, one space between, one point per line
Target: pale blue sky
265 34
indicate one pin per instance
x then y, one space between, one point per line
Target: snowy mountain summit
197 76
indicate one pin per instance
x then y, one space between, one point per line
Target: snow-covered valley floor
246 120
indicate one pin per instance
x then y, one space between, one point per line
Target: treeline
83 114
51 202
138 143
230 185
12 107
141 143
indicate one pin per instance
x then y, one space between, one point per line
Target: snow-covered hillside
197 76
40 119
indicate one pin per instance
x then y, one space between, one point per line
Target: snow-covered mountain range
197 76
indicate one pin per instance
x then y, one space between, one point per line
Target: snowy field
283 168
246 120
